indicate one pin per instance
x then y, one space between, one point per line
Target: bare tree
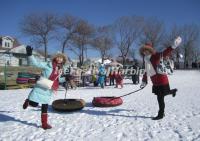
82 37
169 39
196 51
127 30
132 53
66 28
39 27
196 55
189 34
153 31
103 41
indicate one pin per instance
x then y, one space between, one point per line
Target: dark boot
26 103
173 92
159 116
44 120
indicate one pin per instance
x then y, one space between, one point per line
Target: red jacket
112 75
158 79
119 78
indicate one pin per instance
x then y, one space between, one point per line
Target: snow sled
22 80
26 75
107 101
67 105
32 80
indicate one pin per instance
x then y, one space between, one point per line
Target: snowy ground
130 121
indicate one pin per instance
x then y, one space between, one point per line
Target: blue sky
98 12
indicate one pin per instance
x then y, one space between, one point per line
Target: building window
7 44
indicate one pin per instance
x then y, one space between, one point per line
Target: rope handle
128 93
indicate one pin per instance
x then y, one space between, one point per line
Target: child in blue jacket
39 94
101 75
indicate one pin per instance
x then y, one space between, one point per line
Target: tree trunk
79 60
123 60
63 46
102 59
45 50
185 58
81 57
177 61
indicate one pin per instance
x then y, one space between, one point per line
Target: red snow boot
44 118
26 103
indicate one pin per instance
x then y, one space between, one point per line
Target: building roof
16 43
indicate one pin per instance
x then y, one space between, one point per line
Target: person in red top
119 78
160 82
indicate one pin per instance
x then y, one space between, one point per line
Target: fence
9 75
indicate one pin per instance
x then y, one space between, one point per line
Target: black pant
135 79
112 81
43 108
105 80
161 103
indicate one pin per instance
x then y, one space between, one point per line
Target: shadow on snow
95 111
6 118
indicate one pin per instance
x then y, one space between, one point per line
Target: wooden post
5 77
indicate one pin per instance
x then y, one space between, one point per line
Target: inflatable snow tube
32 80
107 101
25 75
22 80
67 105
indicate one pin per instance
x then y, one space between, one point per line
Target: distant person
40 94
76 74
160 81
94 73
112 77
83 78
101 76
135 73
106 78
119 78
69 79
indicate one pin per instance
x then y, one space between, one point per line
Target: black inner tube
68 104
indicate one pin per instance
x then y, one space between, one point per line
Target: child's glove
177 42
29 50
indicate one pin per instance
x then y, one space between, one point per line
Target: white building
12 53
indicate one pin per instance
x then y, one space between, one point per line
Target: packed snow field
130 121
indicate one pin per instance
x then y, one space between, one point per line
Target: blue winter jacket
38 94
101 75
